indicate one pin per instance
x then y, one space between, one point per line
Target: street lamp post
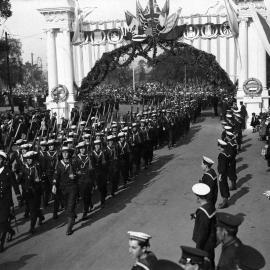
8 74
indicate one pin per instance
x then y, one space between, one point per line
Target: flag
171 22
132 22
156 7
140 15
262 28
232 18
80 16
166 8
267 4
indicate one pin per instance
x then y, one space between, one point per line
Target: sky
28 24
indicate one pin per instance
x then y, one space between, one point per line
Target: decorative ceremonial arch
148 49
69 60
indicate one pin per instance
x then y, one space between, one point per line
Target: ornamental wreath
124 56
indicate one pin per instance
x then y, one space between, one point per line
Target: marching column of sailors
64 168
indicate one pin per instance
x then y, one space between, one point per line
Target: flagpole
134 82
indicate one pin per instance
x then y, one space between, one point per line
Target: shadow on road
245 147
240 193
118 203
17 264
239 159
243 180
241 168
247 140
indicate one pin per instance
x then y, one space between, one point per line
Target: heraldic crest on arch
154 29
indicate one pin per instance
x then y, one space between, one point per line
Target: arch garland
186 54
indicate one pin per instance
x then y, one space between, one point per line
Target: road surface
158 202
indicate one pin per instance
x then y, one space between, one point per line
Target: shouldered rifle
14 138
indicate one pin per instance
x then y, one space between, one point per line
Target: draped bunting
262 28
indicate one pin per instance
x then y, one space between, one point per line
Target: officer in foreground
227 228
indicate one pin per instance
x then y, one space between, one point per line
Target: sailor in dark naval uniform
139 249
7 181
210 178
204 232
227 228
223 170
194 259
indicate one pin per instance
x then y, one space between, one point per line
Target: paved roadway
159 202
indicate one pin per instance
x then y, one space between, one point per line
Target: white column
67 61
52 62
243 44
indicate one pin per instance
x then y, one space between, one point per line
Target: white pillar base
62 109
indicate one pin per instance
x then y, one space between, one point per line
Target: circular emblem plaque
115 36
252 87
191 32
59 93
97 37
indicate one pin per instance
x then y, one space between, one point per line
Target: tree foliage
14 51
5 9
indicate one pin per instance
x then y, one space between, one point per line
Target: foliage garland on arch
186 54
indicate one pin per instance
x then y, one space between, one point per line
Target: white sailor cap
18 142
221 142
83 123
81 145
125 129
29 154
134 124
227 127
97 141
230 134
228 115
140 236
24 146
201 189
69 140
86 136
50 142
3 154
73 127
223 123
43 143
110 137
121 134
208 160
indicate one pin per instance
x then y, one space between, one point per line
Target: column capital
244 19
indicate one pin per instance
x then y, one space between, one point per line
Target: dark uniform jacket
210 178
228 255
63 172
146 263
7 181
30 179
84 168
204 233
223 164
52 159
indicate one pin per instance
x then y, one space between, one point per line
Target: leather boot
32 225
224 204
2 241
11 234
69 226
233 186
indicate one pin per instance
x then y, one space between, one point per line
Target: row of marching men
64 171
211 227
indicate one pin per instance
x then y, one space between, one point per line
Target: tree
5 9
121 76
14 52
141 70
